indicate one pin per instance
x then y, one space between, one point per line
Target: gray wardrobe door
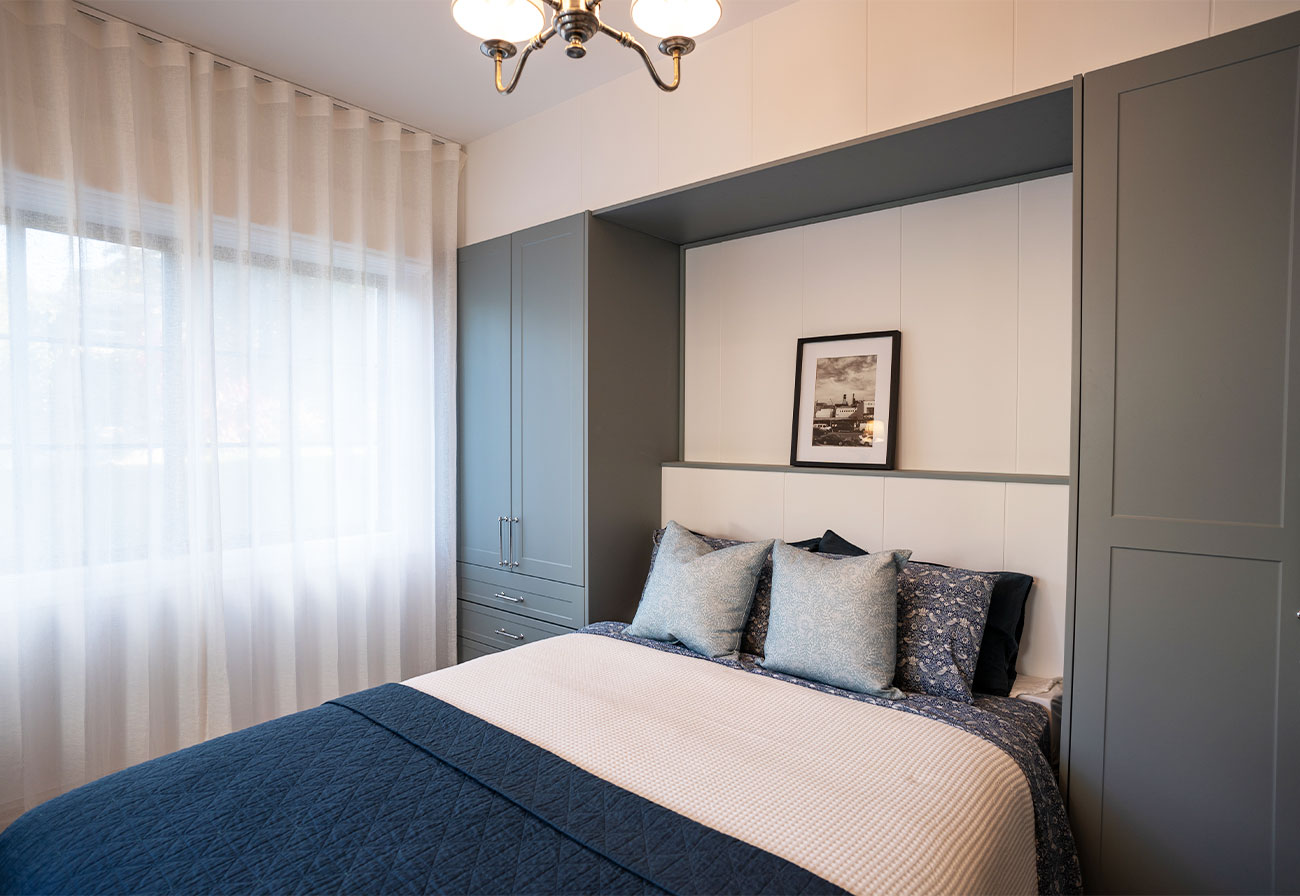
1184 720
483 394
549 289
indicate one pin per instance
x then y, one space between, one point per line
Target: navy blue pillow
995 670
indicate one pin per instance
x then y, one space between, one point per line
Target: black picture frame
860 430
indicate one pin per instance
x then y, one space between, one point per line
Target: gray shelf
1016 139
1031 478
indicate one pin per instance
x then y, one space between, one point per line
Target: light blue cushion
698 596
835 621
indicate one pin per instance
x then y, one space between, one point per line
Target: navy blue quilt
385 791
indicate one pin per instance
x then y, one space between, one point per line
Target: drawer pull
513 600
507 634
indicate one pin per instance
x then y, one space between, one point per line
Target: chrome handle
514 545
501 542
502 631
513 600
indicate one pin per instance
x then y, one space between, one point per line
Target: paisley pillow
835 622
755 634
699 596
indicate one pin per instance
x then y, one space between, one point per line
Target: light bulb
676 18
511 20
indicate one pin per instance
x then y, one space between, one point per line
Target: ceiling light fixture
502 23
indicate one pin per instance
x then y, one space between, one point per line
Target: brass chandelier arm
674 50
500 50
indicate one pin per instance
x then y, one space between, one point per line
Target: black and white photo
846 390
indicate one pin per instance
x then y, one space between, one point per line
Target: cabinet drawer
467 650
521 595
499 629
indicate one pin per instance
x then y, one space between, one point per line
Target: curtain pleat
227 408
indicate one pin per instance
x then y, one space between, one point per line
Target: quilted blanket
389 790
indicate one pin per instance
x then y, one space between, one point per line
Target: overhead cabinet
568 342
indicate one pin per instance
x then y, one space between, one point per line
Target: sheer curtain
227 335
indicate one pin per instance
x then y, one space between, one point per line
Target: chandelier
500 24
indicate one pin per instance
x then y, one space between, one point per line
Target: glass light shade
512 20
676 18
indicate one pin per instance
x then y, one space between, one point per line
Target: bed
594 762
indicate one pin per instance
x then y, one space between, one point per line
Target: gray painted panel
1007 140
1189 724
633 394
965 475
1201 283
483 396
565 609
1129 640
500 629
548 280
472 650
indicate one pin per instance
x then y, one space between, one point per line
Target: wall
978 283
809 75
980 286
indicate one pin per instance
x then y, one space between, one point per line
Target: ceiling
403 59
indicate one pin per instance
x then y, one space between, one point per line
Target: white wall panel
852 274
709 274
525 174
1044 337
801 103
620 141
706 125
760 327
1037 534
955 522
725 503
1058 39
1229 14
978 525
929 58
959 353
854 506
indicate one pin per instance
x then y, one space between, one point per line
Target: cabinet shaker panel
483 396
549 288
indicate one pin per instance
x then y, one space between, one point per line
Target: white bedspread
869 798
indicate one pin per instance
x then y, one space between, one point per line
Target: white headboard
984 525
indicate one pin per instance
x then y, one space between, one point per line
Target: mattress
591 762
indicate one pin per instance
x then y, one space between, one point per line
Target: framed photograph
846 401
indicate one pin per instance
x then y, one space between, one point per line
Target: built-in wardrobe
1181 726
1183 740
567 391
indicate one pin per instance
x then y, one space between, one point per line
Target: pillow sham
835 622
995 668
699 596
941 618
751 641
995 671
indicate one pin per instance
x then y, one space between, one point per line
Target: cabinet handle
514 544
502 631
501 542
513 600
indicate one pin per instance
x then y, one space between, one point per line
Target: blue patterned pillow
756 625
941 618
835 622
699 596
